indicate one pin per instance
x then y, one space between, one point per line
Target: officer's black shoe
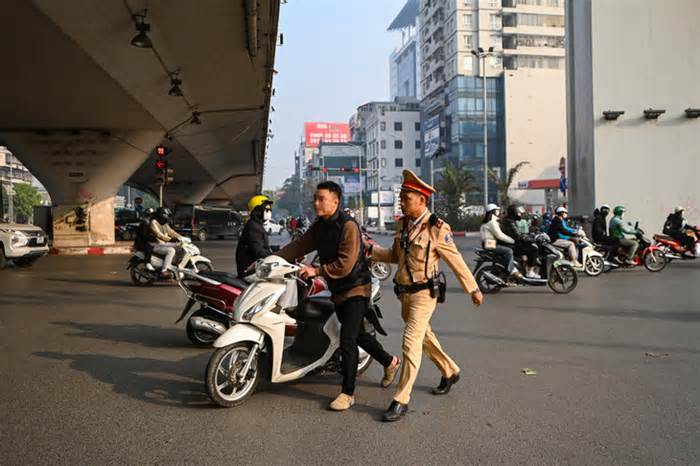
395 412
446 384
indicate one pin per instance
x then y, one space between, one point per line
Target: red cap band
416 187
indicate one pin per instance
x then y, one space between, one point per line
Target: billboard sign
431 136
315 132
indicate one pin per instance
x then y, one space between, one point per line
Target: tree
503 185
454 186
25 198
296 192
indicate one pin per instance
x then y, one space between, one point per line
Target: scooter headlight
247 315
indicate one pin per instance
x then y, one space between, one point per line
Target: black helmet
148 213
163 215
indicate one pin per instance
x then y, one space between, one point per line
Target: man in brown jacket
336 237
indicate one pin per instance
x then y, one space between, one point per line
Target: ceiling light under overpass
195 119
141 40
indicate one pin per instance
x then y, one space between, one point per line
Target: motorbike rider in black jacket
600 227
254 242
523 246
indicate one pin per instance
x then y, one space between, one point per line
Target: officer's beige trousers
416 310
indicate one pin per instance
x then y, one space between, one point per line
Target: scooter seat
225 277
315 309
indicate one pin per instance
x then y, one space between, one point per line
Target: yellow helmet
258 200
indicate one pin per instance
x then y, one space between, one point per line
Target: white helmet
679 209
491 208
605 206
561 210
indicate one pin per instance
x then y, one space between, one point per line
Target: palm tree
503 185
454 186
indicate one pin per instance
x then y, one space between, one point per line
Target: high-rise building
404 76
523 35
390 132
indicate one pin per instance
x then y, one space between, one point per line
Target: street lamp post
483 55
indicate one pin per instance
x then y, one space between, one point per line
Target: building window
494 3
383 163
398 126
495 21
417 144
398 144
418 162
467 20
468 64
382 125
398 163
467 2
383 144
468 41
417 126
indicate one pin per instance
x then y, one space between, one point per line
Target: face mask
267 215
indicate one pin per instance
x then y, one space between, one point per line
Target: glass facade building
462 130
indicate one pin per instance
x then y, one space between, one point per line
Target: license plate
40 240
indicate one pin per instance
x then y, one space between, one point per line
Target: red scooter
649 255
672 249
215 293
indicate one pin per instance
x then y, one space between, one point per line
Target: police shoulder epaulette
435 221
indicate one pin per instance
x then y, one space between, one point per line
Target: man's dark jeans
351 313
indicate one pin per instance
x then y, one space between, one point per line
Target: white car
273 227
21 244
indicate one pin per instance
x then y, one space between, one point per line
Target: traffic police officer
421 240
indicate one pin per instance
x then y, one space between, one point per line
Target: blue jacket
559 229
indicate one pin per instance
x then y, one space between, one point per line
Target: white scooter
255 346
146 273
592 260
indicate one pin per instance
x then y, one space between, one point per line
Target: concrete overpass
83 108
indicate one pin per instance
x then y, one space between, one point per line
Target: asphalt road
94 371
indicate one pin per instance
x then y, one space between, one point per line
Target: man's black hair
331 186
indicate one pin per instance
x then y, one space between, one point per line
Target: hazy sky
335 58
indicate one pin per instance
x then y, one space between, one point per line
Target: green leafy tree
296 192
455 187
503 184
25 198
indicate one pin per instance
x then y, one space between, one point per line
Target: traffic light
161 164
162 151
164 175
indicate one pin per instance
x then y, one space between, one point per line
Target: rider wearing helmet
619 231
600 227
677 227
523 246
254 243
492 235
563 236
162 236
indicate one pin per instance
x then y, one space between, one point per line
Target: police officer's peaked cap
411 182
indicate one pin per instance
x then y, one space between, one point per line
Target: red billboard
328 132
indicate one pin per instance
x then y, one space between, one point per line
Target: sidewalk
456 234
120 247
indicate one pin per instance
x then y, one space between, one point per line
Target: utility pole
483 55
11 193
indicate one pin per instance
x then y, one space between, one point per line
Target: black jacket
509 228
253 244
600 228
673 225
327 234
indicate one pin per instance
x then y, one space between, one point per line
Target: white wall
535 107
643 54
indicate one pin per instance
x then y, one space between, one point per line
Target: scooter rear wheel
486 285
381 270
141 276
223 384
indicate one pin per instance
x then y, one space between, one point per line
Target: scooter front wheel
655 260
594 266
227 386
